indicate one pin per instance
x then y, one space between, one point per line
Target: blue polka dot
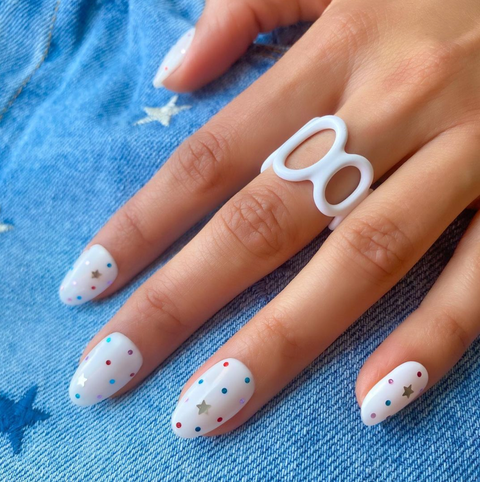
112 381
109 265
247 380
388 403
79 297
200 381
108 340
197 429
224 390
77 395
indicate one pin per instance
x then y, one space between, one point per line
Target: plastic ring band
324 169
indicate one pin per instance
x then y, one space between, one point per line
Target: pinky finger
430 342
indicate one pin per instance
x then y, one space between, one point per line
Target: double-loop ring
324 169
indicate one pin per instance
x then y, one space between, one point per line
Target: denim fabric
74 78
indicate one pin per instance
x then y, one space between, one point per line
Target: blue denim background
70 155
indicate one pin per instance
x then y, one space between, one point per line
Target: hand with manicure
406 81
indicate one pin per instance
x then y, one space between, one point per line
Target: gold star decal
408 391
203 408
96 274
82 380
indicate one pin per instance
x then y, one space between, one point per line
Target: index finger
220 158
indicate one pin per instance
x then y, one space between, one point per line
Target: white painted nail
394 392
105 370
174 58
219 394
93 272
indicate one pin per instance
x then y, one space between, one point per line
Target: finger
227 153
430 342
256 231
359 262
215 163
222 35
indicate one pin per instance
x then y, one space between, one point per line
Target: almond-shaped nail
394 392
105 370
93 272
219 394
174 58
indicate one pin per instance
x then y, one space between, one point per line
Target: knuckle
439 59
348 26
258 220
200 163
156 307
276 328
376 245
430 66
128 224
447 325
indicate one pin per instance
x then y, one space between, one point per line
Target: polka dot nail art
106 369
174 58
220 393
394 392
93 272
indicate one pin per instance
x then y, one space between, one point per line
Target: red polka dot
166 68
93 288
225 364
419 374
132 374
178 425
108 362
219 419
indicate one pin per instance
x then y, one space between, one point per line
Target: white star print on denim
163 114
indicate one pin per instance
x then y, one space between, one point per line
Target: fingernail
105 370
93 272
394 392
219 394
174 58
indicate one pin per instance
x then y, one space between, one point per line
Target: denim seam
37 66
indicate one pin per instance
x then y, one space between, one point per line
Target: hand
405 78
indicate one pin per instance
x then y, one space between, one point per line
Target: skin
405 78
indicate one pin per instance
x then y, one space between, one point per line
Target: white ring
324 169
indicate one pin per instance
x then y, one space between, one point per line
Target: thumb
223 33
